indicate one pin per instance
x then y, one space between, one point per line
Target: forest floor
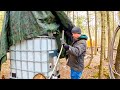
90 72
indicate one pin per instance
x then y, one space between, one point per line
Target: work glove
66 47
63 42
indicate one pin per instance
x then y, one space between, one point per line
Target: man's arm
78 50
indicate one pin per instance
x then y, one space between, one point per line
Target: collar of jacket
74 42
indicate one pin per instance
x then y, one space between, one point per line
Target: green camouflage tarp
21 25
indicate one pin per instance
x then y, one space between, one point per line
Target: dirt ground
88 73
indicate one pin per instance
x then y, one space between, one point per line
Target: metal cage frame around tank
49 68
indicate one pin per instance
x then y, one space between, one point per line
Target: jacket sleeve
77 50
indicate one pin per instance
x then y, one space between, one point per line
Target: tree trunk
102 44
90 40
95 32
77 15
109 32
104 18
119 15
73 16
113 20
117 60
67 13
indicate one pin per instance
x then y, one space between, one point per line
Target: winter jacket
76 54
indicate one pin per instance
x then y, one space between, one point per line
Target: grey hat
76 30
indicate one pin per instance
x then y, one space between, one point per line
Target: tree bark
90 40
73 17
109 32
95 33
117 60
113 20
102 44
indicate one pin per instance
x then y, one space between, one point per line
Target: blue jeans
75 74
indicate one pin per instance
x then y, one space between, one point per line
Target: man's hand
66 47
63 42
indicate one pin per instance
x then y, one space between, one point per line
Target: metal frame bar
33 61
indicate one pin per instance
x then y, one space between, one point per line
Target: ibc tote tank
33 56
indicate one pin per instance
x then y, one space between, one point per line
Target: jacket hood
83 37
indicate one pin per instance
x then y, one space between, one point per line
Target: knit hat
76 30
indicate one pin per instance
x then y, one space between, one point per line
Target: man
76 53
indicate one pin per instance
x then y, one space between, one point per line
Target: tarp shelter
21 25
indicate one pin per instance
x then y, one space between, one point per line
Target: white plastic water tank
33 56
